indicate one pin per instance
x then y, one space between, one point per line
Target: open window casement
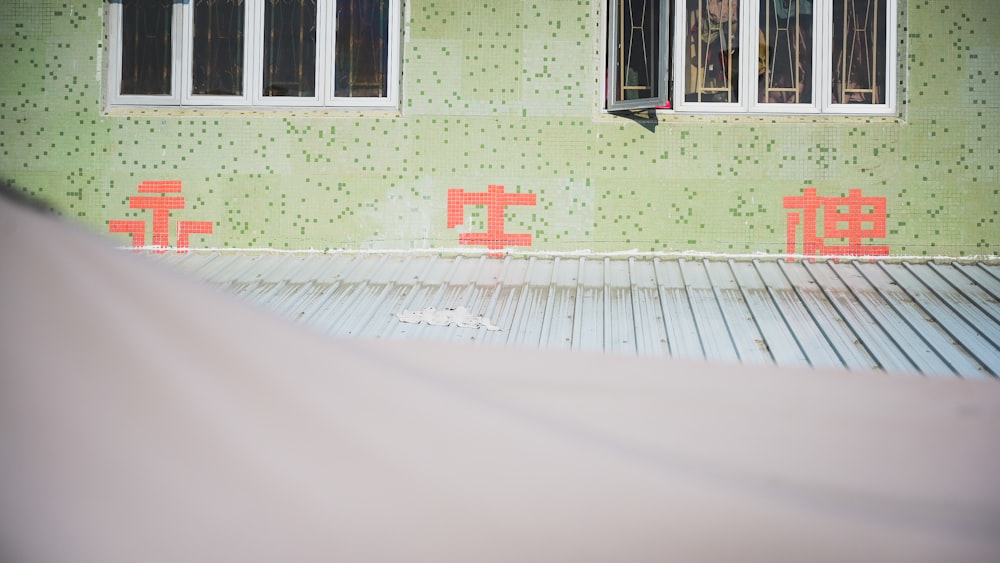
638 46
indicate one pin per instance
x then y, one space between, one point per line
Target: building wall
508 93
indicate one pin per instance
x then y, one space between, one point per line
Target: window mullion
113 87
255 39
337 28
178 40
749 57
330 70
248 54
395 39
824 33
185 68
324 31
891 53
820 54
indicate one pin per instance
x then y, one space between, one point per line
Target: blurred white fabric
145 418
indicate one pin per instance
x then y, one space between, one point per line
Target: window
797 56
254 53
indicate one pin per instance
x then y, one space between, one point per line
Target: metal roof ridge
681 254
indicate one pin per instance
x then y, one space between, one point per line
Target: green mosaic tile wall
507 92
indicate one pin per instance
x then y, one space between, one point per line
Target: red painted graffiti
161 206
495 200
851 219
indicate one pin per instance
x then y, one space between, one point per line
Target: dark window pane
146 47
362 51
218 47
859 46
290 48
786 30
712 51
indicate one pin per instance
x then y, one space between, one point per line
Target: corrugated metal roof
930 318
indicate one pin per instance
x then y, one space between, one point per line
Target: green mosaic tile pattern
507 92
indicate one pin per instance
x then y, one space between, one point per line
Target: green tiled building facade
509 93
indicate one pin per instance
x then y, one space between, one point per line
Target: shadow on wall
646 118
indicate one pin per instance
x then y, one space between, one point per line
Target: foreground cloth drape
146 418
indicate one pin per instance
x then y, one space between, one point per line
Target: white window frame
891 65
822 62
253 57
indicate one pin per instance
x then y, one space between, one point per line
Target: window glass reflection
146 47
859 48
218 47
362 51
786 27
712 51
290 48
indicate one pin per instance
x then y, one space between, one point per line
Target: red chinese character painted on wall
495 201
852 219
161 206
